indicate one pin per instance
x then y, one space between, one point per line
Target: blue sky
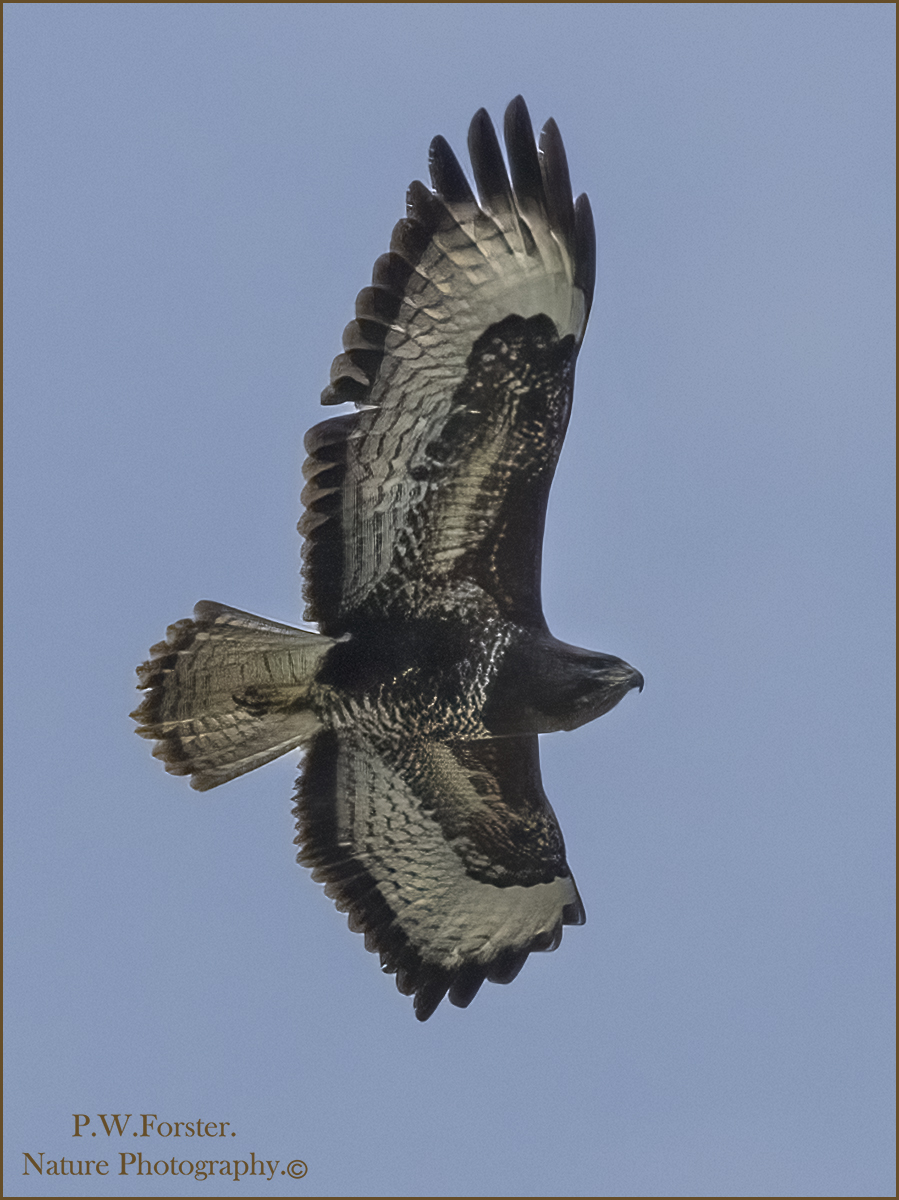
194 195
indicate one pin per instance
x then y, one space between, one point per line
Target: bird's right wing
461 359
447 856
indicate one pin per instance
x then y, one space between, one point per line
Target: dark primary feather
584 249
447 176
524 165
491 177
557 183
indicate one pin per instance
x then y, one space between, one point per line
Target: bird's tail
227 692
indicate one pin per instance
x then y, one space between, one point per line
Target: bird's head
545 685
589 684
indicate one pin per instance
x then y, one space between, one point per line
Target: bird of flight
418 703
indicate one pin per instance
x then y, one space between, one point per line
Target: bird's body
419 702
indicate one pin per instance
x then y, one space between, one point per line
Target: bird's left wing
447 856
461 358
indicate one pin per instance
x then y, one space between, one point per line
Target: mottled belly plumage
430 679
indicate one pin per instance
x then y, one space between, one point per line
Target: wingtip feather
447 176
585 249
524 165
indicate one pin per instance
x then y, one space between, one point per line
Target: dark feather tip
585 249
557 182
447 176
490 174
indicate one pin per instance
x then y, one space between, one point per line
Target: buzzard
418 702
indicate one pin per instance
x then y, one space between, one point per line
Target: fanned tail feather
227 692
